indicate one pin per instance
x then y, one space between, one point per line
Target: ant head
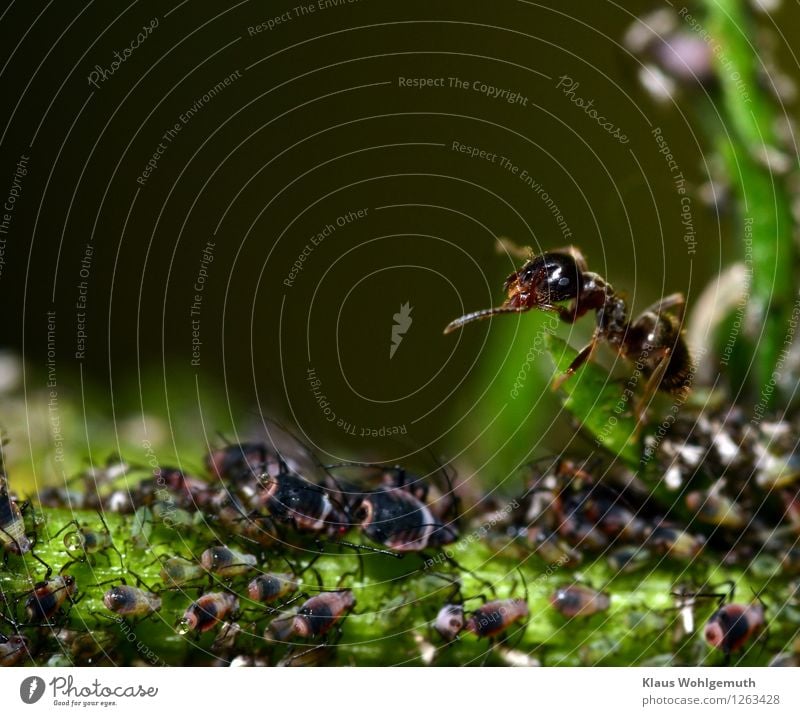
544 280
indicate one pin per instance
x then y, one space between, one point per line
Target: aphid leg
110 539
524 626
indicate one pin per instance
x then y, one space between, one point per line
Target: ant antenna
480 315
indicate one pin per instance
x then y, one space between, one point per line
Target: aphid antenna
367 548
72 523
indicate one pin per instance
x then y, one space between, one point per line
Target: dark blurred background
311 130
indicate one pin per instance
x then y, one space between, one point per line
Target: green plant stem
747 138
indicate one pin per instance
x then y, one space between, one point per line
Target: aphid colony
264 506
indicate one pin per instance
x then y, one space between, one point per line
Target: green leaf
601 405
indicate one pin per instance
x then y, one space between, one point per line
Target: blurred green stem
748 146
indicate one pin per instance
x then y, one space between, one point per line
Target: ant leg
673 301
504 244
580 359
651 388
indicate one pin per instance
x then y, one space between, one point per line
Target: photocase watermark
325 233
183 119
744 299
689 235
81 302
66 692
168 510
768 389
145 651
537 348
31 689
476 535
402 322
478 86
724 60
53 413
569 87
324 404
302 10
100 74
10 204
522 174
621 406
653 441
206 259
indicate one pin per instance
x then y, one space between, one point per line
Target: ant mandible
653 340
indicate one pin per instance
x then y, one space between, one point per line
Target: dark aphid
733 625
397 519
244 462
13 649
46 598
12 525
172 485
714 508
130 601
84 542
449 621
675 542
226 562
209 609
177 571
321 613
495 617
654 340
292 499
271 586
628 559
576 600
552 549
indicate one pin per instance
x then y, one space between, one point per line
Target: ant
653 340
733 625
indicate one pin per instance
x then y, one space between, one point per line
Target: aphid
653 341
715 508
12 525
398 519
244 462
13 649
209 609
271 586
130 601
628 559
226 562
449 621
552 549
83 542
576 600
672 541
321 613
172 485
177 571
292 499
47 597
733 625
495 617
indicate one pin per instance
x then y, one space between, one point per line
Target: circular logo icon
31 689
